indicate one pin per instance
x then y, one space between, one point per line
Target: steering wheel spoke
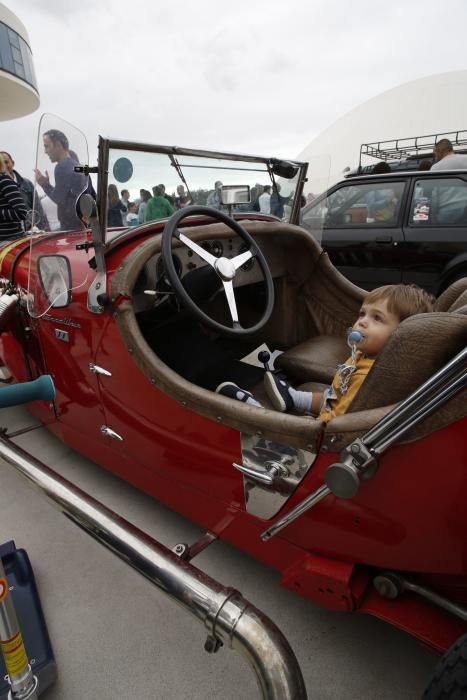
204 254
230 294
241 259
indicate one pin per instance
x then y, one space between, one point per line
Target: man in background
446 159
124 201
68 184
35 215
214 197
449 203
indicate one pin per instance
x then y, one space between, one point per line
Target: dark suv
397 227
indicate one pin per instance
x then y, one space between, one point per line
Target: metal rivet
324 448
219 418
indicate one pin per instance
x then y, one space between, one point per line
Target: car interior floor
200 356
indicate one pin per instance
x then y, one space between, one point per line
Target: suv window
439 202
359 206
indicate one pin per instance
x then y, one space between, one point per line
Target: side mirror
235 194
86 207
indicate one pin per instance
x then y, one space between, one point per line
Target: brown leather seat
449 299
315 359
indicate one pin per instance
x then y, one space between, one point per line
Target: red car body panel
410 518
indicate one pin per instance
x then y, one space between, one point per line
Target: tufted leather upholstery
448 300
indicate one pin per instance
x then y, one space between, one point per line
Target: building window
16 56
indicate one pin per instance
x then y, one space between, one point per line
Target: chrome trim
228 617
390 585
108 432
271 472
96 369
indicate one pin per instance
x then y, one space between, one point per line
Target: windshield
60 148
144 186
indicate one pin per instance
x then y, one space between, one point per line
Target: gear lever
264 357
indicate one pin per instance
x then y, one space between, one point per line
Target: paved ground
116 637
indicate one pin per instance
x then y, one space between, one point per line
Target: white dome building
431 105
18 86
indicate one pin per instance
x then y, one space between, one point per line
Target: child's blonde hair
403 300
2 163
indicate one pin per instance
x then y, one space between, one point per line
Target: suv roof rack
412 147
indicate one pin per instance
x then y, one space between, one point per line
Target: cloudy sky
255 76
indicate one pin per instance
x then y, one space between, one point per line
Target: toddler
382 311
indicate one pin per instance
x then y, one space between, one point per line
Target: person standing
145 197
264 200
214 197
36 215
124 201
12 207
68 184
182 199
277 202
166 196
158 206
115 209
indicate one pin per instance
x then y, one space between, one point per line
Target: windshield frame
105 145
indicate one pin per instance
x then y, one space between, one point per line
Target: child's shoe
279 392
233 391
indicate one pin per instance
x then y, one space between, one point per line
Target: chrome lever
108 432
276 477
296 512
263 478
95 369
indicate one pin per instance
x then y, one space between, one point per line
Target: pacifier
354 337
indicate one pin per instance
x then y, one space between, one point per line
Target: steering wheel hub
225 268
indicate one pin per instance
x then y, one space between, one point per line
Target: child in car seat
382 311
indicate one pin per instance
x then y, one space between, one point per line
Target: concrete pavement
116 637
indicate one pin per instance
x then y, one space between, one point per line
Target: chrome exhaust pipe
228 617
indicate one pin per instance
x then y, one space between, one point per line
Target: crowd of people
21 208
148 207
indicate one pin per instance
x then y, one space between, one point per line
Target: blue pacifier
354 337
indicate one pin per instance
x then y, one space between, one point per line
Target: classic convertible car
138 325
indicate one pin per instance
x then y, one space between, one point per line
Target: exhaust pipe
228 617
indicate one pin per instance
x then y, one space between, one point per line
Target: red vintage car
139 324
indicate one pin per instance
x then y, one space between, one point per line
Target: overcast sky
248 75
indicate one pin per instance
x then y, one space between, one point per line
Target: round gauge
217 249
249 263
161 273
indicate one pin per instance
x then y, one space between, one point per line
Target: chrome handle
108 432
260 477
95 369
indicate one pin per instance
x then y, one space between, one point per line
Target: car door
435 231
362 229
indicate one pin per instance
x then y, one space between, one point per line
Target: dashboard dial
214 247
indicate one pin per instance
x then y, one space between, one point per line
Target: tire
450 678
